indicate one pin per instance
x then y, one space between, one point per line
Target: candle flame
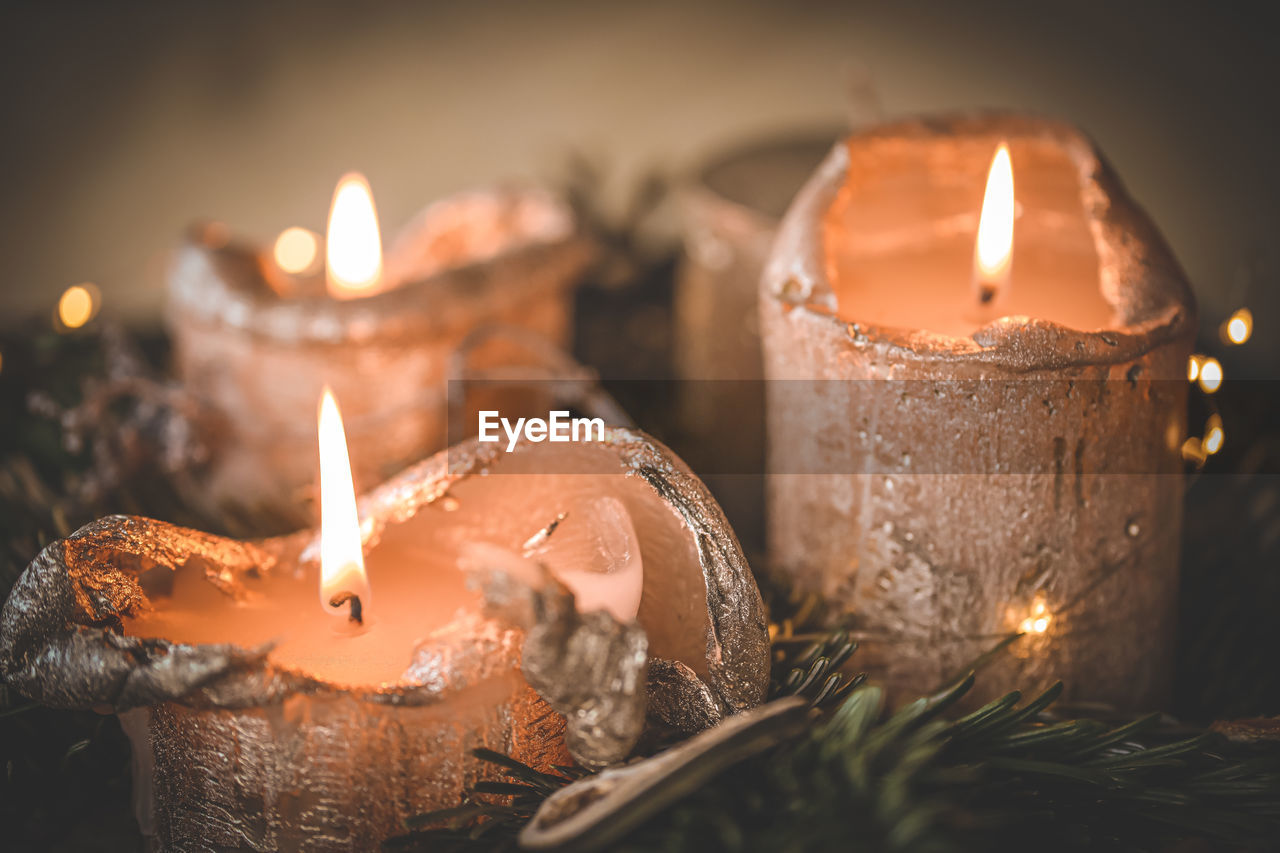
341 555
993 250
353 249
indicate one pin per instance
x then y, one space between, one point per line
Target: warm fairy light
1210 375
1193 367
1193 451
77 304
296 250
1038 621
353 246
341 555
993 250
1213 435
1239 326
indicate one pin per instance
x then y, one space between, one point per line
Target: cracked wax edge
1139 277
60 640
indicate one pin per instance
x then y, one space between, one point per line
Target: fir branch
1007 773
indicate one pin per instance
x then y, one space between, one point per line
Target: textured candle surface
973 476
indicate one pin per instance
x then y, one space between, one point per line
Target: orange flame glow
993 250
353 249
341 555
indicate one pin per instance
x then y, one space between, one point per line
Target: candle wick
357 609
986 293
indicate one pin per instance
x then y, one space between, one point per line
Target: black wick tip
986 294
357 609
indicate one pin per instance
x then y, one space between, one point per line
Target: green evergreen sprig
1007 774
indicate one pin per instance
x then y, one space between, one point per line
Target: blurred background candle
975 417
257 333
730 207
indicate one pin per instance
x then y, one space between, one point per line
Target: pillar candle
256 346
261 720
959 453
730 207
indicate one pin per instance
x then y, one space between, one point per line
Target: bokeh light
1239 327
1213 435
77 305
1038 621
296 250
1193 451
1210 375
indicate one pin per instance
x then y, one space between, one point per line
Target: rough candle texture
235 751
730 209
259 358
946 487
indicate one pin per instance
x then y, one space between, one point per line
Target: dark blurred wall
124 121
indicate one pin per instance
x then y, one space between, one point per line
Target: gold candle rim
218 281
1138 274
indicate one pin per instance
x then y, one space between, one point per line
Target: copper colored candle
256 345
945 471
730 208
259 722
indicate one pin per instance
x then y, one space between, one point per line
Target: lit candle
263 719
350 641
353 260
983 405
257 334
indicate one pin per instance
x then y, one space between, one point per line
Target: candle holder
233 749
257 346
946 489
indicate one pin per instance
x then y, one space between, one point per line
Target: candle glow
993 249
353 250
341 554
